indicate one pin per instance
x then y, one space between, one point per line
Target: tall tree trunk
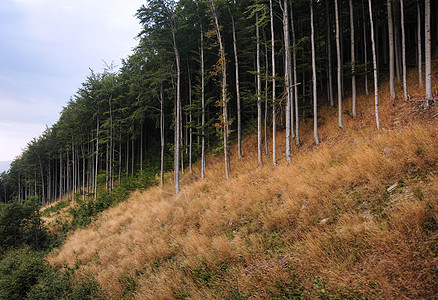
97 159
259 90
274 124
397 51
338 55
353 60
162 133
365 49
203 104
420 60
236 62
428 54
391 50
190 120
329 56
177 113
224 88
287 79
295 81
266 93
405 88
315 99
376 87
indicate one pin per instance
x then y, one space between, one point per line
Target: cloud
14 137
46 50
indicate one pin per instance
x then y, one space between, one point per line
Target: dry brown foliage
323 224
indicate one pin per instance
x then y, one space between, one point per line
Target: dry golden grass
323 224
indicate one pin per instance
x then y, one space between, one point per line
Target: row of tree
206 69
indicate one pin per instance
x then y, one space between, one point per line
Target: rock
392 187
323 221
387 149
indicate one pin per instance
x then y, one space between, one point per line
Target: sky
47 48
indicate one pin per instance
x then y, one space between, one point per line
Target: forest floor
352 218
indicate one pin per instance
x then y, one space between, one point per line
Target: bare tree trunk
338 54
190 120
405 89
224 89
365 48
259 100
353 60
97 160
397 51
420 60
236 62
177 113
274 124
329 56
391 51
266 94
376 87
315 99
203 104
287 79
162 133
295 81
428 54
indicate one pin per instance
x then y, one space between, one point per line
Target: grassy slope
324 225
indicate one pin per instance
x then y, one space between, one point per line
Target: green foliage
19 271
20 224
206 275
84 210
291 289
53 285
87 288
55 208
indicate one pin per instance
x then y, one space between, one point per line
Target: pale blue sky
46 50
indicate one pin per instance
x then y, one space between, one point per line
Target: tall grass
322 226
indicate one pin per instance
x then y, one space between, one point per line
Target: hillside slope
355 217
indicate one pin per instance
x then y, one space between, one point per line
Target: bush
20 224
19 271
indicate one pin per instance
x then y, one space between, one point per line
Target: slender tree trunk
397 51
266 94
97 160
236 62
83 172
376 87
162 133
203 104
259 100
338 54
295 81
315 99
329 56
353 60
177 113
224 88
141 150
365 49
132 153
391 50
287 79
190 120
420 60
405 88
428 54
274 124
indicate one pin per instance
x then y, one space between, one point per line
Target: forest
207 73
246 149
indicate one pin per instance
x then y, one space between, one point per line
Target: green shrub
20 225
19 271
